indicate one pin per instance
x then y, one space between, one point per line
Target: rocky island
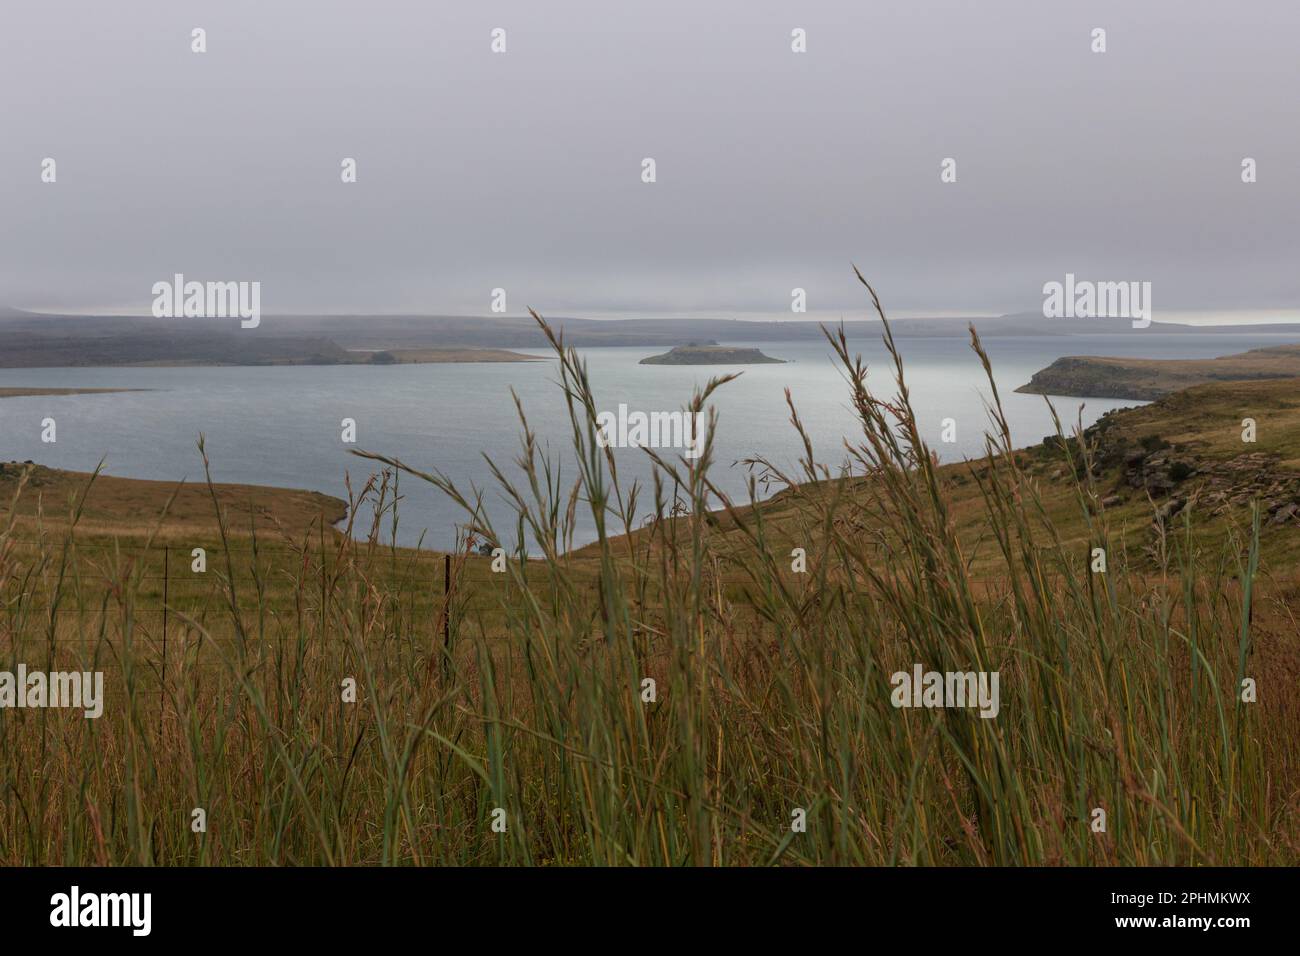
711 354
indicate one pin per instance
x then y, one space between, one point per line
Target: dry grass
524 692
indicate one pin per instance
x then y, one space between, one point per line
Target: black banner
340 905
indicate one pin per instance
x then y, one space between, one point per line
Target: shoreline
25 392
400 356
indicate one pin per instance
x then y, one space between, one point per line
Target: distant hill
382 331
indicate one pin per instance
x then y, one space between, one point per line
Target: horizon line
1183 317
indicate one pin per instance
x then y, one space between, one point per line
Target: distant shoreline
442 356
22 392
351 357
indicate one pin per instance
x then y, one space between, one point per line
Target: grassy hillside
685 690
128 509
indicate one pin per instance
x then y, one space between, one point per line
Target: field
711 686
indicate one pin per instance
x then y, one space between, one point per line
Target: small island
711 353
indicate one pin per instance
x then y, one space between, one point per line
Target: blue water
281 425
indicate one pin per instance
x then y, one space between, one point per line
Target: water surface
281 425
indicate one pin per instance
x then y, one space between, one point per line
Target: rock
1157 485
1285 513
1169 509
1111 501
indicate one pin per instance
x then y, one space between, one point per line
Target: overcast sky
774 169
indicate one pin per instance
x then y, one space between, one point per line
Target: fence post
446 613
162 677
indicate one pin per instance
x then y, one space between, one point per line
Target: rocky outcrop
1176 476
1236 482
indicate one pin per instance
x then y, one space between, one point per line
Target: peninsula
1091 376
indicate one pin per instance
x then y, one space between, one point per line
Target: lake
281 425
